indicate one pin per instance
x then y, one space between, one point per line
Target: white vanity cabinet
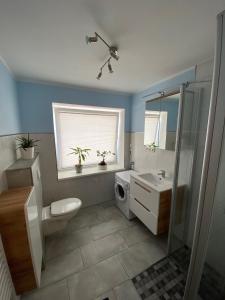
152 207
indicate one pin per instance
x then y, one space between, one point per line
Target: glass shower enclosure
190 145
197 227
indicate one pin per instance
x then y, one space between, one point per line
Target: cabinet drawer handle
142 187
142 204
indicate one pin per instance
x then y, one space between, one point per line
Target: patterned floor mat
165 280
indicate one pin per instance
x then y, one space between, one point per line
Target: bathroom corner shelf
69 174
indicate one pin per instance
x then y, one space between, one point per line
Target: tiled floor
166 279
96 257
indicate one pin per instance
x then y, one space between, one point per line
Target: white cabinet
34 234
150 206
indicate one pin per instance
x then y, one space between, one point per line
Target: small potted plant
103 165
26 146
82 155
152 147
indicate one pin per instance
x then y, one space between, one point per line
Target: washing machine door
120 191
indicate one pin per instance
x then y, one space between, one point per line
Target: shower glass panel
212 284
189 161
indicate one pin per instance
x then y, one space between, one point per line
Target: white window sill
67 174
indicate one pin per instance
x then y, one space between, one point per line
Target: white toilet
56 216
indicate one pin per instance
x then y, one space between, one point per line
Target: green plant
25 143
103 154
81 153
152 147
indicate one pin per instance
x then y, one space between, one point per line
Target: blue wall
138 100
35 102
9 114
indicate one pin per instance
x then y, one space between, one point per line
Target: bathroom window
95 128
155 128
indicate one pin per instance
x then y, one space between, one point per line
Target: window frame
59 107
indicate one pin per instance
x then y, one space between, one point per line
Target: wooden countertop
13 199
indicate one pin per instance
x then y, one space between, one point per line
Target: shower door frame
176 166
215 133
183 90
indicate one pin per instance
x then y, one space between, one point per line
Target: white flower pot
27 153
102 167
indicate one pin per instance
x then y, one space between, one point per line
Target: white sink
155 181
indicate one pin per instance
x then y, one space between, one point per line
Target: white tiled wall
145 160
7 157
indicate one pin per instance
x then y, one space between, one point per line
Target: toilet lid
65 206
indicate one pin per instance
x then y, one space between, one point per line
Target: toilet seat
64 206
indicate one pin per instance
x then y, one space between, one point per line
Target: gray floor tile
108 204
102 249
64 242
62 266
98 208
84 220
104 232
135 221
111 295
136 234
126 291
96 280
101 230
140 256
162 241
57 291
112 213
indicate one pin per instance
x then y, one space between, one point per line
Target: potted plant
26 146
82 155
103 165
152 147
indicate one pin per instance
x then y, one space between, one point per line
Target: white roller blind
94 130
151 127
155 128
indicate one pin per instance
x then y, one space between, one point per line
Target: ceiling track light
99 75
109 68
113 51
91 39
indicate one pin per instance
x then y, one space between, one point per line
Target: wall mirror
161 122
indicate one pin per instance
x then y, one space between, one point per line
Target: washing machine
122 192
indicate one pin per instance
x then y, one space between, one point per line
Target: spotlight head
110 67
91 39
99 75
114 53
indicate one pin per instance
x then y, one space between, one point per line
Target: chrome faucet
162 173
